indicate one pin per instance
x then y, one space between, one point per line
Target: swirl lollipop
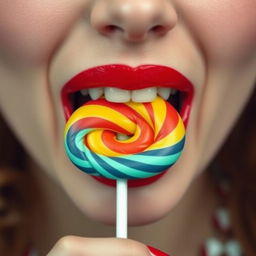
155 139
156 132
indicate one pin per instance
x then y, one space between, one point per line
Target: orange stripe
145 139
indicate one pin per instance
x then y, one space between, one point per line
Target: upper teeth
120 95
144 95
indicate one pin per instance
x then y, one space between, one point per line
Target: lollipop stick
121 208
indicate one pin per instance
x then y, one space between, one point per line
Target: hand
74 245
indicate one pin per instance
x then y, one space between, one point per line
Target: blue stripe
141 166
123 168
165 151
70 140
113 171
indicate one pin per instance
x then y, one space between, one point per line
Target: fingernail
156 252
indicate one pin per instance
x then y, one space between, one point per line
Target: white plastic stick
121 208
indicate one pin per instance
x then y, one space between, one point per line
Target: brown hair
13 194
237 158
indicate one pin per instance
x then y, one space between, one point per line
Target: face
43 44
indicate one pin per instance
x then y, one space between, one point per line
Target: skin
45 43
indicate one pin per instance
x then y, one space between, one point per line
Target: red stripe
96 122
145 139
150 111
170 122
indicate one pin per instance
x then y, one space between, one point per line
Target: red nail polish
156 252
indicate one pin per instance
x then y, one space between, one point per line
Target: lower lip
131 183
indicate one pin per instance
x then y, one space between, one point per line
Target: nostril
113 28
133 20
110 29
158 29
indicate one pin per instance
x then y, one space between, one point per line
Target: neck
185 228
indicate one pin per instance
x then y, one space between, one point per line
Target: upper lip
128 78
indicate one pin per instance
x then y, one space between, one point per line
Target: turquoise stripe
98 167
156 160
141 165
126 169
79 139
76 160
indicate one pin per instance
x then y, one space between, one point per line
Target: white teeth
120 95
95 93
117 95
144 95
164 92
84 92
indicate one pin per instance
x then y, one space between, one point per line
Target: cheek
30 30
225 29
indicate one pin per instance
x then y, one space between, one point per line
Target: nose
134 20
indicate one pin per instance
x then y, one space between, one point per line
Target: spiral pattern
156 138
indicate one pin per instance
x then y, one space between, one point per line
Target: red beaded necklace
223 242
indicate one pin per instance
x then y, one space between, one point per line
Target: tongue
152 140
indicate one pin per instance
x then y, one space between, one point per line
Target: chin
146 204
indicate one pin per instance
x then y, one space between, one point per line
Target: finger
73 245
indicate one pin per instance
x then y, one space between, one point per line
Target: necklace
223 242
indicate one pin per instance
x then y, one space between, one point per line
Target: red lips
129 78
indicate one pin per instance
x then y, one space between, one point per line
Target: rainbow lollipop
155 139
156 132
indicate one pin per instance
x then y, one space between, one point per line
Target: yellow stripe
175 136
140 108
101 112
159 108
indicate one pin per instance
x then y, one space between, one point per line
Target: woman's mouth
121 83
